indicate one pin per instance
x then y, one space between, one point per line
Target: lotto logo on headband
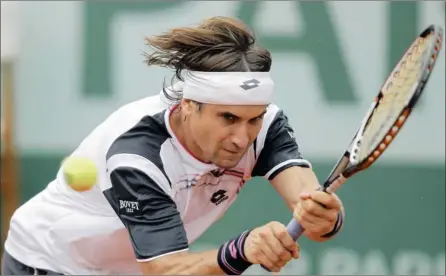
252 83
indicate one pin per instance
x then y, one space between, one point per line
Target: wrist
337 227
231 255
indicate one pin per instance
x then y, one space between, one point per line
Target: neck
182 132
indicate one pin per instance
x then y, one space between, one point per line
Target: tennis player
170 166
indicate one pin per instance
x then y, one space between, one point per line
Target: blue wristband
231 256
337 226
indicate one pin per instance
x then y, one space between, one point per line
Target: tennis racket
388 113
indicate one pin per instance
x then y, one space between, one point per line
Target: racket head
408 85
395 101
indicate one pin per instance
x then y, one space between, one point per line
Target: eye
229 117
256 120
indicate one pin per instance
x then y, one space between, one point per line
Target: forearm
228 259
188 264
292 182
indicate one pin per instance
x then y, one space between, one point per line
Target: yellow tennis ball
80 173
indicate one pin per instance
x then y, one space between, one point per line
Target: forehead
239 110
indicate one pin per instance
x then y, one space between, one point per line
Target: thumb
305 195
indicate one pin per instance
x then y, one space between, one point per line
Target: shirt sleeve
138 196
280 149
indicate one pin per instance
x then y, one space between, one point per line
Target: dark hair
218 44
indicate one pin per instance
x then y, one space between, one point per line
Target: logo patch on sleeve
129 207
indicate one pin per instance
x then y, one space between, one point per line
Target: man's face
223 133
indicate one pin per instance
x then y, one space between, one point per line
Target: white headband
231 88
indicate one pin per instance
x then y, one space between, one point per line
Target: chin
226 164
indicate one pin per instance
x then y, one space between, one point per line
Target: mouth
232 152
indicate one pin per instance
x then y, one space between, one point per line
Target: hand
317 212
271 246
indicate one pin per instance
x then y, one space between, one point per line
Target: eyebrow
237 117
258 116
227 113
261 114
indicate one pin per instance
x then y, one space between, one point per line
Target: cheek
204 133
254 131
214 137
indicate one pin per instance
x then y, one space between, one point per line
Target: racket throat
335 184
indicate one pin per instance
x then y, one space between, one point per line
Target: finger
281 264
296 253
330 201
266 247
279 249
305 220
317 225
311 208
309 225
297 211
305 195
263 260
285 240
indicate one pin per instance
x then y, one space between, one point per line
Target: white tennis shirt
152 197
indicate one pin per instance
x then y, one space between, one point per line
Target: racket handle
295 229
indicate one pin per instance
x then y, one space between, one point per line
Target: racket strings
395 96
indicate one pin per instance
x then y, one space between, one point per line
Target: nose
240 137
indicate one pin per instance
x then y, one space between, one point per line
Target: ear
187 106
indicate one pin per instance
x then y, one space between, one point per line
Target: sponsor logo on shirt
219 196
128 206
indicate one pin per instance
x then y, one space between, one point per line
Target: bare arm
280 162
269 245
184 263
291 182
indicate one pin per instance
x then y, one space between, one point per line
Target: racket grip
295 229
